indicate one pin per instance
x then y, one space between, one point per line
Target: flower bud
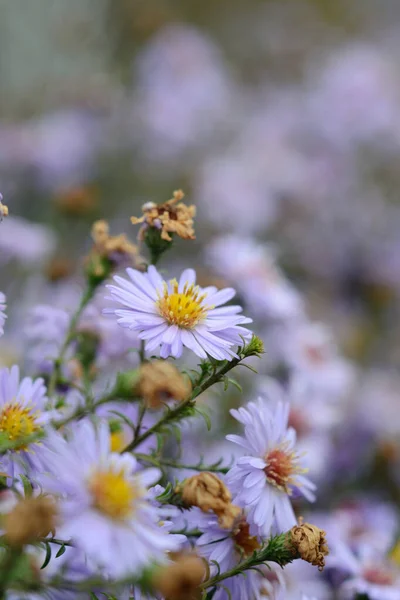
208 492
29 520
181 580
77 202
310 544
160 381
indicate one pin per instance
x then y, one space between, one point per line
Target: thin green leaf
61 551
47 557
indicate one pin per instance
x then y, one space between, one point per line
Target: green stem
171 415
87 296
277 550
82 411
174 465
142 352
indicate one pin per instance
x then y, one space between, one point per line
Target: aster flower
23 413
263 481
3 315
105 503
369 574
177 314
228 547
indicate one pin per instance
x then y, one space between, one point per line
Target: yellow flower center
184 309
117 441
112 494
18 422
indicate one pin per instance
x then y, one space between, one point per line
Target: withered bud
77 202
59 268
3 209
108 253
160 381
181 580
170 217
310 543
208 492
29 520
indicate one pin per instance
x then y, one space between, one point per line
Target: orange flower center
281 467
246 543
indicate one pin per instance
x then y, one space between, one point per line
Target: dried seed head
29 520
310 543
208 492
181 580
160 381
170 217
77 202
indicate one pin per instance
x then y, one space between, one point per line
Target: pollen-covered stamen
113 494
282 467
186 308
18 422
245 542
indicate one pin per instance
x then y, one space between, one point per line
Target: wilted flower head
310 543
109 252
3 209
77 201
160 381
181 579
170 217
209 493
29 520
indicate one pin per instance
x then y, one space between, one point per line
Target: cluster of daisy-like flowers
89 505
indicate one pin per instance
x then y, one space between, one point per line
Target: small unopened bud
160 381
254 348
181 580
208 492
29 520
310 544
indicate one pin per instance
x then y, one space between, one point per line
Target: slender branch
82 411
277 550
87 296
171 415
174 465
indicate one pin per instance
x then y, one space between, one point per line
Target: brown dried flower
77 201
108 245
208 492
29 520
181 580
109 251
59 268
171 217
310 543
160 381
3 209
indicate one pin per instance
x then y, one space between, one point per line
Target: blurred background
280 119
